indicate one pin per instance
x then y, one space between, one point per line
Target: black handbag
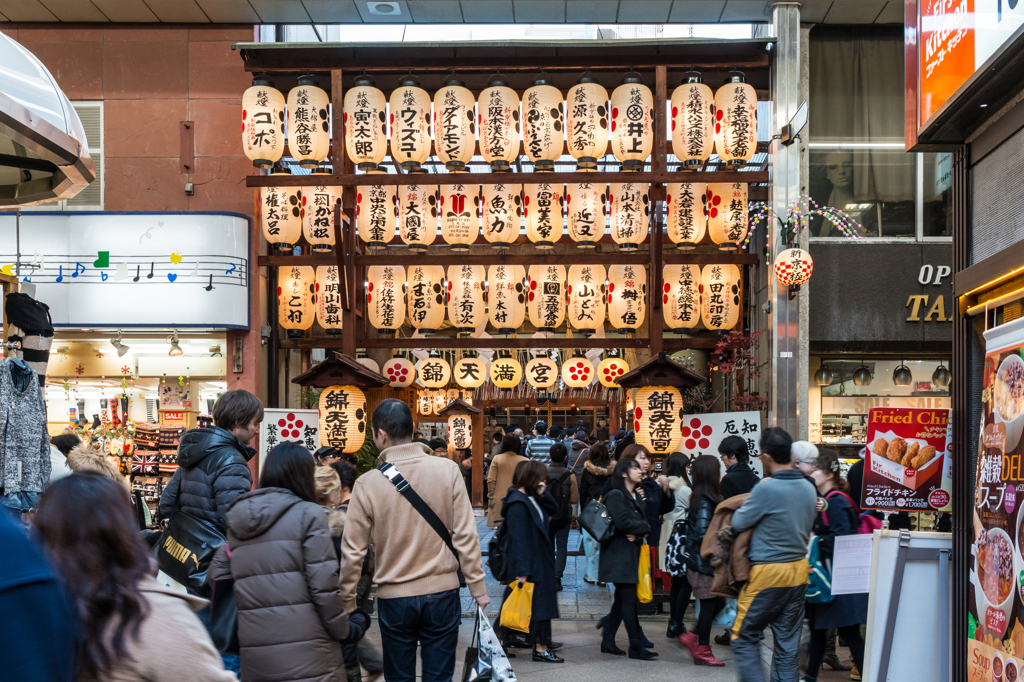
224 616
185 551
595 520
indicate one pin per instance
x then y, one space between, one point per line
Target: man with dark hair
416 571
538 448
562 487
739 477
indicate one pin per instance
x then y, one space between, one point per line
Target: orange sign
947 51
174 416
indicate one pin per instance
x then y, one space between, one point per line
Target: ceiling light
941 376
862 375
175 350
902 375
388 9
119 345
823 377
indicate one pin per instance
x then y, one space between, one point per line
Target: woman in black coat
526 510
620 558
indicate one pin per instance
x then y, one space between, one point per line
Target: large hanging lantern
609 371
681 301
440 400
693 122
587 122
410 124
399 371
263 123
541 373
470 372
720 291
384 303
687 213
630 214
542 208
365 124
454 125
627 295
736 121
451 395
499 125
578 372
727 213
309 138
375 214
506 372
343 418
425 403
434 372
466 297
280 214
425 295
417 215
585 297
501 208
793 267
546 300
318 202
295 298
506 297
328 298
658 419
542 131
460 431
632 122
584 206
459 223
366 361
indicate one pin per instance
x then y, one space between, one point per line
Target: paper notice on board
851 564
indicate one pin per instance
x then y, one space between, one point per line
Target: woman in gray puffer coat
291 620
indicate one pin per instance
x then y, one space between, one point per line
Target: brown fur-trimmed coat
83 458
726 550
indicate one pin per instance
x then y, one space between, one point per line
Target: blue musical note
76 273
228 272
60 275
103 276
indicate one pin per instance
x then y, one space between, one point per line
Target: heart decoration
171 276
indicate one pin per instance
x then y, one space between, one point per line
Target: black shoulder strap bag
186 548
424 510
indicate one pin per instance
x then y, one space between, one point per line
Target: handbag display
595 520
185 551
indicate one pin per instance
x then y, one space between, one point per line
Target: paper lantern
328 298
585 297
365 124
578 372
584 206
459 223
687 213
425 403
542 128
318 203
434 372
384 299
439 399
281 214
499 125
467 397
609 371
466 309
793 267
417 215
295 298
681 300
399 371
426 297
735 121
451 395
506 372
693 122
720 295
309 138
632 134
460 431
454 125
546 298
263 123
627 295
343 418
630 214
375 214
501 208
587 122
470 372
506 296
368 362
410 124
542 373
542 208
658 419
727 213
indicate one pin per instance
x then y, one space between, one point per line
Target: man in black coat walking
739 477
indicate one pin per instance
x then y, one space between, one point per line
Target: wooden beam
582 258
705 342
448 179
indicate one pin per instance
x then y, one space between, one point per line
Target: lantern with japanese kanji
681 300
399 371
542 130
658 418
426 297
632 135
328 298
609 370
343 418
546 298
460 224
295 298
630 214
434 372
736 121
318 202
439 398
542 208
425 403
720 296
470 372
375 214
417 215
541 373
506 372
309 139
584 206
578 372
460 431
263 127
501 208
506 297
498 115
687 213
466 309
365 124
410 124
727 213
585 297
693 122
587 122
281 214
454 125
793 267
452 394
384 299
627 296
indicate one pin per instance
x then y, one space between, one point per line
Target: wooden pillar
478 459
659 161
614 421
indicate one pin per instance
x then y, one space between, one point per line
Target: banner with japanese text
297 426
908 460
702 433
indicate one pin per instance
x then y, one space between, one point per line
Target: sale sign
907 458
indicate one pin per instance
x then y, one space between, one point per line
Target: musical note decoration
102 259
209 287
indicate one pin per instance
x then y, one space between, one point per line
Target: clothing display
29 322
24 441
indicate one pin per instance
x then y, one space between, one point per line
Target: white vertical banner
297 426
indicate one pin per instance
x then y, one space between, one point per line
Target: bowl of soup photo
997 667
1011 673
993 574
1008 399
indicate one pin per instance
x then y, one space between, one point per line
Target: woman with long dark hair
596 470
679 486
129 626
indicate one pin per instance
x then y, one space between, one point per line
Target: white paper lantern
281 214
687 213
318 202
630 214
720 296
736 121
793 267
368 362
542 373
632 134
542 208
578 372
506 372
399 371
375 214
460 224
295 298
385 304
506 297
263 126
439 399
658 419
693 122
410 124
417 215
585 208
727 213
426 297
309 139
609 371
470 372
425 403
585 297
546 299
452 394
365 123
434 372
681 300
454 125
460 431
498 108
328 298
467 397
542 126
501 210
343 418
466 296
587 122
627 295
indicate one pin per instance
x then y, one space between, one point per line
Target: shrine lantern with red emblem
610 370
263 126
399 371
578 372
736 121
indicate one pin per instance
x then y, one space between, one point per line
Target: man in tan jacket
416 574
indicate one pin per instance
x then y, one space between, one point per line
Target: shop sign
703 433
280 425
908 461
862 404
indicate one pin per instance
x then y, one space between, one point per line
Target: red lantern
793 267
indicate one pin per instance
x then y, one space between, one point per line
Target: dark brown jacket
726 550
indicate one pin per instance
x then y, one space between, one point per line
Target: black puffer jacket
211 473
697 523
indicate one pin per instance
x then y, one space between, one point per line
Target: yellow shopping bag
517 609
644 585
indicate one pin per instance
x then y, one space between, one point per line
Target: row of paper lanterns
587 121
507 295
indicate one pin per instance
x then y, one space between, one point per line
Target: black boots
674 629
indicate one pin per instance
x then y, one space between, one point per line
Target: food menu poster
907 464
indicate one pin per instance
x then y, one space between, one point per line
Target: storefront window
937 170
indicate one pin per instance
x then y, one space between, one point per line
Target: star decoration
79 369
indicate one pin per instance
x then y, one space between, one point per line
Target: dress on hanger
24 439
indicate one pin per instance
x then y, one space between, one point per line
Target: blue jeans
430 619
592 548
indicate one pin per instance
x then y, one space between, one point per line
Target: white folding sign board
297 426
702 434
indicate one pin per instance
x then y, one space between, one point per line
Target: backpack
557 490
819 579
497 554
866 523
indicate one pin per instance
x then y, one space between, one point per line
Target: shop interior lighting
119 345
902 376
862 375
941 376
823 377
175 350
